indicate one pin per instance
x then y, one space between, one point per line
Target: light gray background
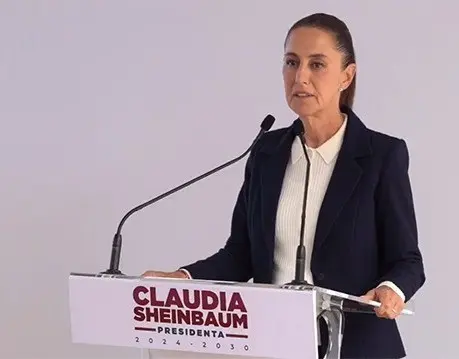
104 104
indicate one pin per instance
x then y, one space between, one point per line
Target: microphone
117 239
300 263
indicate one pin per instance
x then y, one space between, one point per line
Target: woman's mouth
302 94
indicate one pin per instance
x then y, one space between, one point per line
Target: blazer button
320 276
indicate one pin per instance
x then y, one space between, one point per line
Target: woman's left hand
391 303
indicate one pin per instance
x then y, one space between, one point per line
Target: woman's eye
290 62
317 65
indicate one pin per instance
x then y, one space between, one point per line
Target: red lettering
183 317
153 301
196 299
205 300
240 320
209 300
164 315
174 316
225 319
197 318
139 315
236 303
151 314
136 295
173 298
223 301
142 314
211 320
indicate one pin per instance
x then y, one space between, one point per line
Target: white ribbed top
288 221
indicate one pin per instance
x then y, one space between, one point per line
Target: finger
150 273
386 313
390 304
388 298
385 308
394 305
370 295
398 308
381 311
390 311
393 313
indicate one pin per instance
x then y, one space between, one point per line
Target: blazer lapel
345 177
275 159
342 183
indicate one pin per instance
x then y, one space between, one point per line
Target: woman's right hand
176 274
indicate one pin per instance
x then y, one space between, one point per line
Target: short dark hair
344 44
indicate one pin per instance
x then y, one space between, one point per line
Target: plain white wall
104 104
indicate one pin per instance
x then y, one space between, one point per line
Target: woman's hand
177 274
391 303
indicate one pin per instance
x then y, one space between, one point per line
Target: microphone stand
117 239
300 263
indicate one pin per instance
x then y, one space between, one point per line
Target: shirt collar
328 150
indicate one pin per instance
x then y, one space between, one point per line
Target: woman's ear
348 76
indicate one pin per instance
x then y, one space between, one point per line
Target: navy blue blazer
366 231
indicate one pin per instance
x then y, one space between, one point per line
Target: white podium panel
172 354
193 319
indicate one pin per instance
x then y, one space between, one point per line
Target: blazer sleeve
233 261
402 261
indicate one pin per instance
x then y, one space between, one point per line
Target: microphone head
298 128
267 123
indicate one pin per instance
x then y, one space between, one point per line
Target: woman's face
313 73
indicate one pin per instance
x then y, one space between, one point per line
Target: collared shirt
288 222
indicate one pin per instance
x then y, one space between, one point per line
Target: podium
181 318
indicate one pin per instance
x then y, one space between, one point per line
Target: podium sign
193 316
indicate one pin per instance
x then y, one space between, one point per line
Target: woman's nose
302 76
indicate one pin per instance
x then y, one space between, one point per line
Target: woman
360 233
